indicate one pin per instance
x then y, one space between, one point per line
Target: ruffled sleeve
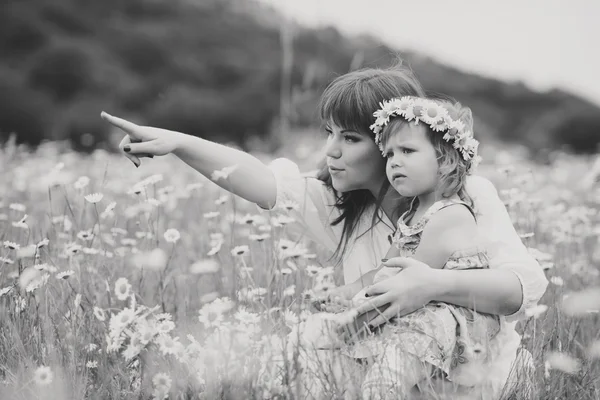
307 200
505 248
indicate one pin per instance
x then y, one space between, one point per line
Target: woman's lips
333 170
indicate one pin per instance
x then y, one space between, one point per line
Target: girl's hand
143 141
401 294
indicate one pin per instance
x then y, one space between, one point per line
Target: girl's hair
452 167
350 101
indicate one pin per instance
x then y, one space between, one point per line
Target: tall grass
179 289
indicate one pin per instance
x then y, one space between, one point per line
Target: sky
543 43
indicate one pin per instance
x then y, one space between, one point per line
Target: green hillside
214 69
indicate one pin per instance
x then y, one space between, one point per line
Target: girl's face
354 160
412 166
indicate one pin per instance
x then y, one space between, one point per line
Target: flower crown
434 115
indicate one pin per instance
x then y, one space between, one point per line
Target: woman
338 209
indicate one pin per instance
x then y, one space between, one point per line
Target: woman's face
354 160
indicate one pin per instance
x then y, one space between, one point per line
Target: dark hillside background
217 69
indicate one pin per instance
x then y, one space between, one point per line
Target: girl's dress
454 340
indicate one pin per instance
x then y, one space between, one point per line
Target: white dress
505 250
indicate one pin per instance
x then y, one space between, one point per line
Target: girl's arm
251 179
491 291
448 230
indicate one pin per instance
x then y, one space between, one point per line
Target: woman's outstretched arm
251 179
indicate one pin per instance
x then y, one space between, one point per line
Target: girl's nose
395 162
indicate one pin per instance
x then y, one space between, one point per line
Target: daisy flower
99 314
259 238
222 200
211 215
563 362
94 198
11 245
17 207
239 250
209 317
122 289
282 220
65 274
5 290
246 317
91 364
132 350
288 205
223 173
167 344
313 270
557 280
206 266
82 182
433 113
72 248
172 235
121 320
21 223
161 379
43 376
6 260
42 243
85 235
536 311
248 219
290 291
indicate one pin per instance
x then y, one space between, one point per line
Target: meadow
125 283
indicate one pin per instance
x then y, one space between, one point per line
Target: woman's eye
351 139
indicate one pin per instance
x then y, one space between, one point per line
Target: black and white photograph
299 200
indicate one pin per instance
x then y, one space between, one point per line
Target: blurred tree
580 132
22 111
62 71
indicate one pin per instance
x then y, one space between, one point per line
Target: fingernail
127 149
104 114
384 259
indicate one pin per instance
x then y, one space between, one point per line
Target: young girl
429 149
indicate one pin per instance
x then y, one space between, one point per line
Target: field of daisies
125 283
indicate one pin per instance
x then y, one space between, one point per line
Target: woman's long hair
349 102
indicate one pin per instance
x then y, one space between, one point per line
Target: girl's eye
407 151
351 139
388 155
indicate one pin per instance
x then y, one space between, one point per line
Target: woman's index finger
120 123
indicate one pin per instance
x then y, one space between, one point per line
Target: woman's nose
332 149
